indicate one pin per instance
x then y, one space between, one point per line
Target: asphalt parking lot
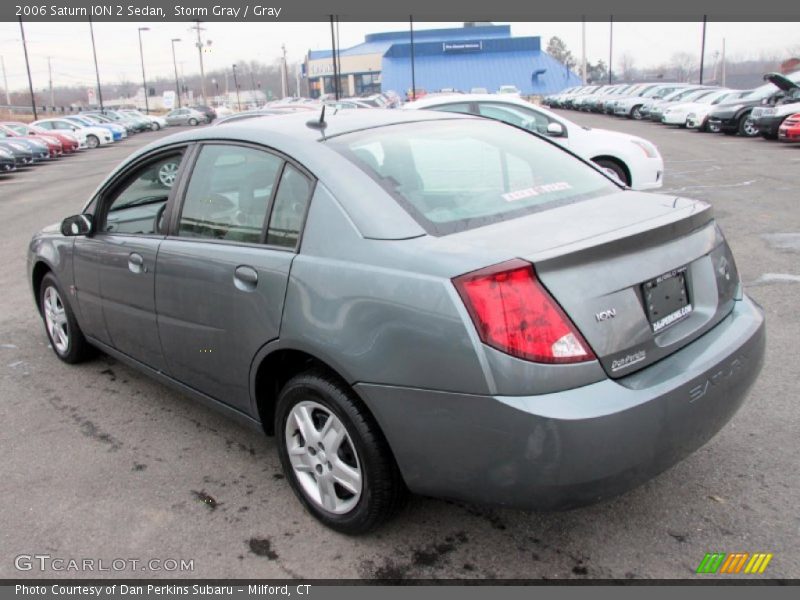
101 462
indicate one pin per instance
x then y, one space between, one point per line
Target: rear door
115 267
222 273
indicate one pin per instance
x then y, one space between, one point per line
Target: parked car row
771 110
25 144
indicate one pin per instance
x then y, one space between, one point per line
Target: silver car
185 116
416 301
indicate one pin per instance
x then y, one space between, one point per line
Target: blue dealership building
474 56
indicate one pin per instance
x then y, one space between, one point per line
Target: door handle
245 278
136 263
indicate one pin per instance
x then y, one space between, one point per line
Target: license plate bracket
666 299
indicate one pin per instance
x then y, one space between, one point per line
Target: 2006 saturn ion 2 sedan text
414 301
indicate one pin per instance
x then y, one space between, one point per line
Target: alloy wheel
323 457
749 128
55 317
167 173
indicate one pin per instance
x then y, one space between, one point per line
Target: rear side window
453 175
229 193
289 210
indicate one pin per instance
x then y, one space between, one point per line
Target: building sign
318 68
462 46
169 99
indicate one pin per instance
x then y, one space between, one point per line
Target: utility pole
96 69
144 78
5 81
413 70
175 66
583 49
28 68
333 58
610 46
703 48
284 74
50 82
198 29
339 58
236 85
723 64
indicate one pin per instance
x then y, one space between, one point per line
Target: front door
221 275
115 266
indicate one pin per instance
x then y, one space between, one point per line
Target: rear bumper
789 135
575 447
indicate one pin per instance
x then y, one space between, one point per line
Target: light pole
28 68
96 69
175 66
144 78
236 85
215 83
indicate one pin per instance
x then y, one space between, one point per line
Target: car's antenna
321 124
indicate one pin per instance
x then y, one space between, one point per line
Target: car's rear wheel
747 128
92 141
192 121
714 127
335 456
66 337
636 113
155 126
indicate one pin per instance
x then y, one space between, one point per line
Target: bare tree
627 66
683 64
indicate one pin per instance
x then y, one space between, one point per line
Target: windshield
81 121
456 175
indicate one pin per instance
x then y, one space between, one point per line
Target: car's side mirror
77 225
555 129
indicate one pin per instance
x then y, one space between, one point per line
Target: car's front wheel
747 127
66 337
92 141
636 113
193 122
155 126
335 456
615 168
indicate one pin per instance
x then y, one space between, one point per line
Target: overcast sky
69 44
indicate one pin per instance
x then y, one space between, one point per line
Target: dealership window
367 84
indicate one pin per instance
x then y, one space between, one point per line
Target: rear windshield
453 175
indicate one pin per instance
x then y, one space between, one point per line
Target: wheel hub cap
323 457
55 318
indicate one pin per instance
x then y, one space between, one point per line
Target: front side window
516 115
138 205
228 194
453 175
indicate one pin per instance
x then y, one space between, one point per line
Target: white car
677 114
631 104
697 116
509 90
633 160
88 137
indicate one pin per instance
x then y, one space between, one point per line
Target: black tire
77 348
154 126
711 128
612 165
192 121
746 127
383 491
636 113
92 141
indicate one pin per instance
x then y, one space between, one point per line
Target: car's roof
296 125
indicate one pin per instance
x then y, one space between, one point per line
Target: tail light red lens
514 313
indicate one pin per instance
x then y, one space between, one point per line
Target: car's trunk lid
601 258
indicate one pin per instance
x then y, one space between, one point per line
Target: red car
69 143
789 130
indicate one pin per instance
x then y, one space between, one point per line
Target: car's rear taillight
514 313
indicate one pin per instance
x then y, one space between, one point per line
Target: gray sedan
425 302
185 116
